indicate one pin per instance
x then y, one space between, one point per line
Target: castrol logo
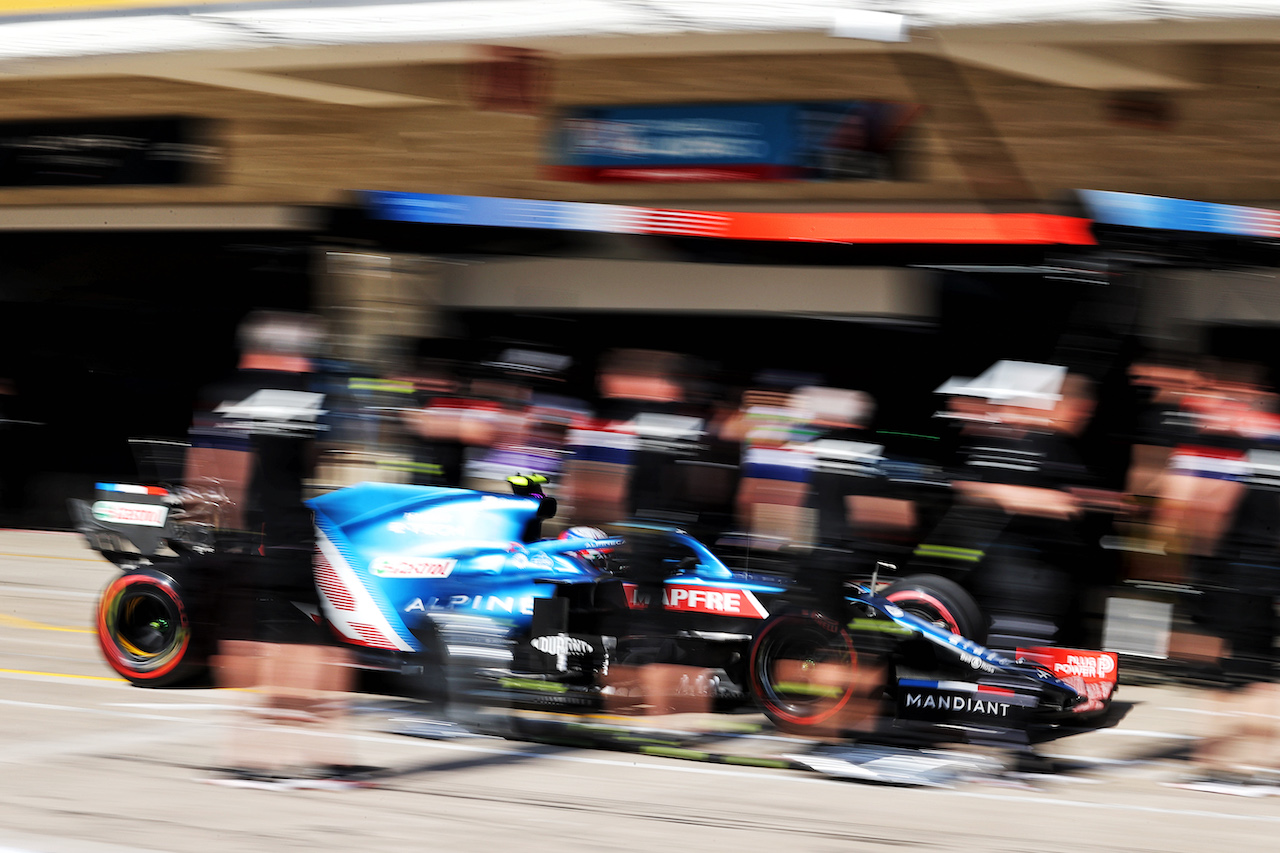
411 567
142 515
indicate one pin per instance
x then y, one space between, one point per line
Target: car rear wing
128 521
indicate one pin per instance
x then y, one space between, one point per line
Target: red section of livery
695 598
1209 452
465 403
1092 673
996 691
328 582
371 637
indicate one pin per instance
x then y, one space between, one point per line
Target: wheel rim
144 626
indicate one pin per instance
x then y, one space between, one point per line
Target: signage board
813 141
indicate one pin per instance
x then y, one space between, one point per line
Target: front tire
806 674
941 601
144 630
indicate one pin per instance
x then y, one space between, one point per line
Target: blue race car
431 582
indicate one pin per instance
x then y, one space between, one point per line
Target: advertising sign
816 141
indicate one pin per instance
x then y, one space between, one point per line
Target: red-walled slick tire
145 631
940 601
806 674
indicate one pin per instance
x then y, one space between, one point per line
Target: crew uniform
844 466
1240 579
663 434
257 430
1025 584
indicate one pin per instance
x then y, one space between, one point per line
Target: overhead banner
949 228
805 141
1177 214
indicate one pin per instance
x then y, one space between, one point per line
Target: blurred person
1019 490
847 485
857 520
627 462
1220 506
526 420
1241 754
711 475
254 434
596 469
478 417
1162 386
646 426
631 462
775 468
434 442
451 425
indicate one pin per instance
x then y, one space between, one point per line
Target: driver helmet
598 557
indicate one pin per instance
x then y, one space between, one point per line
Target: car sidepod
401 567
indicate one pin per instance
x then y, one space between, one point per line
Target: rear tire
144 630
941 601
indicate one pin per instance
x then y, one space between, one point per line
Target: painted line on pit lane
99 745
28 673
102 560
48 706
1225 713
1201 711
79 846
46 643
19 622
179 706
1118 807
20 590
1144 733
38 532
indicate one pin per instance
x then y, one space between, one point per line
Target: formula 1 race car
438 581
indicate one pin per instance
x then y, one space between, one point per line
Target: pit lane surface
89 764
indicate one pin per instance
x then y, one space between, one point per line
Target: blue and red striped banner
923 228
